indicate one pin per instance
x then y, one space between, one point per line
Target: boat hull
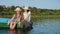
18 26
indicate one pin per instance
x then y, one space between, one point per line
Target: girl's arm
11 18
20 19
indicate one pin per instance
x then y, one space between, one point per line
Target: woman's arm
29 14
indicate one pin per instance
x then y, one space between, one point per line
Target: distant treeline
9 11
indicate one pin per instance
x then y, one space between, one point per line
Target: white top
27 16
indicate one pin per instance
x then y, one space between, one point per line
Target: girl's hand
8 23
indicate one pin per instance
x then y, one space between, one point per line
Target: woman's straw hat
26 8
17 9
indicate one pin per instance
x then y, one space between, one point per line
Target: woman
27 16
16 18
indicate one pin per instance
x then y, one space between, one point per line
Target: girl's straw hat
17 9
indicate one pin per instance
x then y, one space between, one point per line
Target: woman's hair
28 10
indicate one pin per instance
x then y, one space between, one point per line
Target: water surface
42 26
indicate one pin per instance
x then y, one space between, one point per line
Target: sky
44 4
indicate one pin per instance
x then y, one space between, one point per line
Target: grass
37 17
46 16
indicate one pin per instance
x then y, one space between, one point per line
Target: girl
16 18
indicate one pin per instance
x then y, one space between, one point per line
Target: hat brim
26 9
17 10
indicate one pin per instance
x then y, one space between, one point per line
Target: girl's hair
16 13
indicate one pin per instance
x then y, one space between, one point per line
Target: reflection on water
8 31
18 32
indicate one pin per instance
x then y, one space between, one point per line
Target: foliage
9 11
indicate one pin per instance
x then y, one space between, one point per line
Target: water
42 26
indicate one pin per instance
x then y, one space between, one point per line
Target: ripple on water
47 27
44 26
